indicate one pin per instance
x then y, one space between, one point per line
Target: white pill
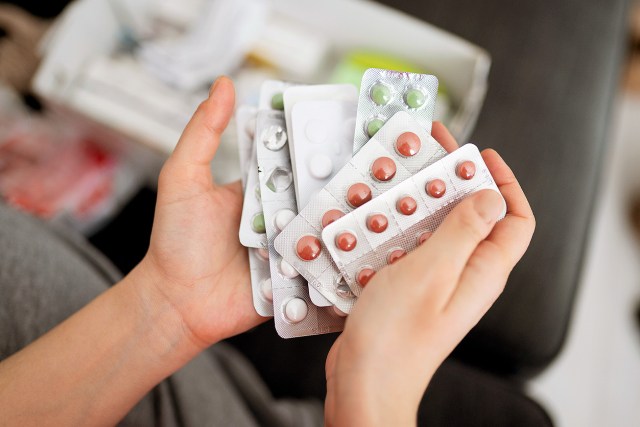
266 289
339 312
283 218
295 310
316 131
320 166
287 270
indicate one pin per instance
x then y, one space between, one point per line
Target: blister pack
383 93
294 313
383 231
400 149
245 133
320 125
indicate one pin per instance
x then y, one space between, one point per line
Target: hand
195 260
413 313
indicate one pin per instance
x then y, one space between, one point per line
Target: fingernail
489 205
214 86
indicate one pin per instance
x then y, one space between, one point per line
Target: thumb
201 138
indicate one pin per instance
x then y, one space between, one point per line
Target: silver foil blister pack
294 313
384 230
401 148
384 93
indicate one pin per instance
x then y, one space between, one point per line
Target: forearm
94 367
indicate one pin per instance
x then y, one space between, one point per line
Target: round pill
408 144
346 241
373 126
287 270
424 237
466 170
344 292
436 188
266 289
320 166
380 93
331 216
308 248
407 205
282 218
364 276
263 253
395 255
383 169
415 98
358 194
295 310
277 101
257 223
339 312
377 223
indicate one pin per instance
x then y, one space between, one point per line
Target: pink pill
466 170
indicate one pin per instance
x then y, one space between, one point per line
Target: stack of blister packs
339 185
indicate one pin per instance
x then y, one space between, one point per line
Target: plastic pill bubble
466 170
274 137
263 253
377 223
308 248
287 270
424 237
279 180
380 93
267 289
295 310
358 194
282 218
320 166
374 125
346 241
257 192
383 169
277 101
331 216
415 98
408 144
257 223
344 292
407 205
364 276
436 188
250 127
395 255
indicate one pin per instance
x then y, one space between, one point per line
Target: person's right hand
413 313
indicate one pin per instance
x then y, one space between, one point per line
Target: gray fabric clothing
46 274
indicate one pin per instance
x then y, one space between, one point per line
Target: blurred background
94 95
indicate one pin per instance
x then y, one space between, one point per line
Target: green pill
415 98
257 224
277 102
374 126
380 94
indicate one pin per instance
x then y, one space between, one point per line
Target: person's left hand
195 259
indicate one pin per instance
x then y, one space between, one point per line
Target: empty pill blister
294 313
383 93
378 167
321 135
383 231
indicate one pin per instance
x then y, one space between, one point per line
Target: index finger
441 134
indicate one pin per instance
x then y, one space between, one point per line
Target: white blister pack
383 93
294 313
400 149
321 134
383 231
245 134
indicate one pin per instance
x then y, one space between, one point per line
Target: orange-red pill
407 205
364 276
383 169
377 223
395 255
436 188
466 170
331 216
308 248
346 241
358 194
424 237
408 144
